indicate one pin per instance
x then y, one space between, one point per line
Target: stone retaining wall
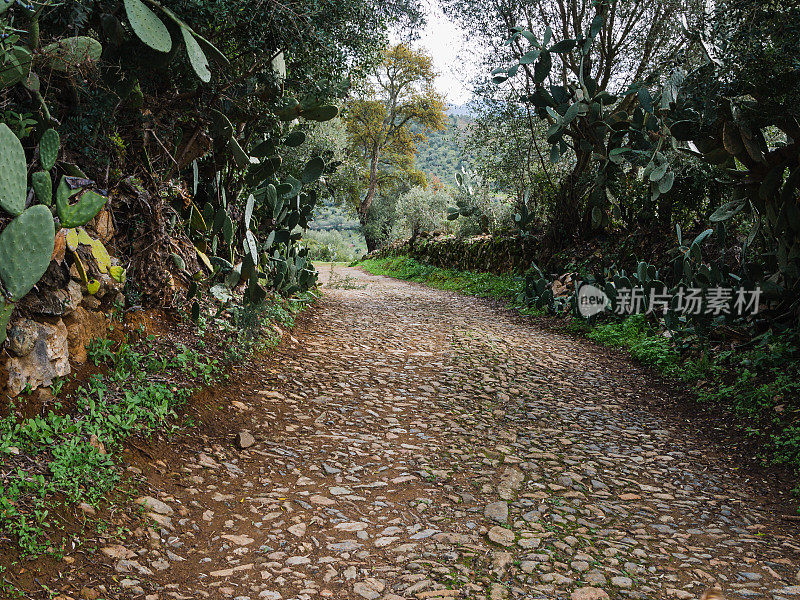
486 254
52 325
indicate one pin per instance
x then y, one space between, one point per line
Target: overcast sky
454 59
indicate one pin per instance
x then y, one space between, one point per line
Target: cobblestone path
417 444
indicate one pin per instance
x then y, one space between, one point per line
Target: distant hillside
336 228
459 110
441 155
333 217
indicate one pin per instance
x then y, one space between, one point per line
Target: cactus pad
73 239
147 26
321 113
48 148
101 255
15 67
248 210
117 273
42 187
295 139
13 172
313 170
197 57
251 246
26 246
64 55
287 109
240 157
6 308
81 213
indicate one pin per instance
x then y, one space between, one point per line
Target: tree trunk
373 243
366 203
568 223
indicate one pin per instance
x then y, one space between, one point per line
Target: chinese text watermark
712 301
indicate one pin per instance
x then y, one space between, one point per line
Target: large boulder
42 355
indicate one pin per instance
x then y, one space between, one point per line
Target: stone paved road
429 445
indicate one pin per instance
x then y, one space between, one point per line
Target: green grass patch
483 285
645 343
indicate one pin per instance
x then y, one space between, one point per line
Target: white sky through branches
455 59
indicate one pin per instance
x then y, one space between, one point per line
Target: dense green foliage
28 241
624 142
200 101
442 153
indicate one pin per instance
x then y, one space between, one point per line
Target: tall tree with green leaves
379 116
633 41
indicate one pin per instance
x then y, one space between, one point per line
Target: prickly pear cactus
248 210
147 26
321 113
13 172
101 255
48 148
81 213
16 66
197 57
26 246
6 308
64 55
42 187
313 170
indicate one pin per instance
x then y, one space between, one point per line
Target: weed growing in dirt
257 328
8 589
636 335
99 351
343 282
73 453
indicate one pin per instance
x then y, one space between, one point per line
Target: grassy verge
484 285
759 383
70 453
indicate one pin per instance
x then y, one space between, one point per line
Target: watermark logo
592 300
713 301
